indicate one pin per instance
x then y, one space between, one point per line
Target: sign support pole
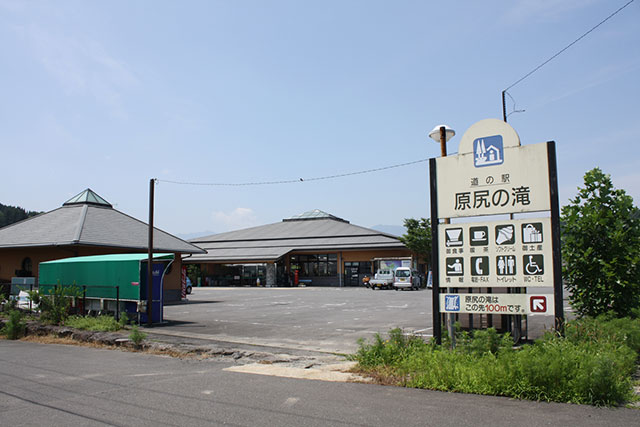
435 262
451 317
555 227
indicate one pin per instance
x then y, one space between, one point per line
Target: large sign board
519 183
507 253
492 174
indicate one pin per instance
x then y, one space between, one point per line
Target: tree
194 273
418 237
13 214
601 248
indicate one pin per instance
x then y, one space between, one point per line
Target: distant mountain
396 230
189 236
13 214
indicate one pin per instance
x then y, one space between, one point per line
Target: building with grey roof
84 225
324 250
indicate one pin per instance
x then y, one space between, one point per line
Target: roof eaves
275 239
156 249
37 245
198 249
99 244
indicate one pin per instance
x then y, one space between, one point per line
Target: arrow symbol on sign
538 304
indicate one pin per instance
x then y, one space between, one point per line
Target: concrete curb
121 340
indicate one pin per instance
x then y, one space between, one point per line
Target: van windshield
403 273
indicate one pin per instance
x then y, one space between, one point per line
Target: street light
442 134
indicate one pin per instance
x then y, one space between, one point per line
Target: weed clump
56 305
15 326
137 336
592 365
102 323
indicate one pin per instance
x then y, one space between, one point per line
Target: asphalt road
318 319
55 385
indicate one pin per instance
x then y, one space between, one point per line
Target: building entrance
354 272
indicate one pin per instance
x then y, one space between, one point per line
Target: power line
291 181
569 45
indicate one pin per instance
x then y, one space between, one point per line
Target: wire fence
82 298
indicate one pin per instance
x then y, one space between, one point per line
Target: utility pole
150 252
504 107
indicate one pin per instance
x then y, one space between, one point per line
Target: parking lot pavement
316 319
308 319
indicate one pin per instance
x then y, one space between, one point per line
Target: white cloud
236 219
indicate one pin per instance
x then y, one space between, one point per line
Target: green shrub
557 369
387 352
136 336
605 328
15 326
55 306
34 297
100 323
124 320
9 304
592 365
483 341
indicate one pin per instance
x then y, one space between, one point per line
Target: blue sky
109 94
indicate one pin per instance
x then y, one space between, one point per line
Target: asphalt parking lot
310 319
317 319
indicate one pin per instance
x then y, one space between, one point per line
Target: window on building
317 265
27 268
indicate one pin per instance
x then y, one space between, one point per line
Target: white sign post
492 174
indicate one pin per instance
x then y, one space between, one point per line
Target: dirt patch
335 372
52 339
380 376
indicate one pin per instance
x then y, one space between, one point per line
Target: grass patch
593 365
98 323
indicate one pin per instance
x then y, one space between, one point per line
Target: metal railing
80 296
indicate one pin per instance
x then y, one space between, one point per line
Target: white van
406 278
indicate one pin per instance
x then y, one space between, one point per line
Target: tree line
13 214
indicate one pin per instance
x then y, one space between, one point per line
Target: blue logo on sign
488 151
452 303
